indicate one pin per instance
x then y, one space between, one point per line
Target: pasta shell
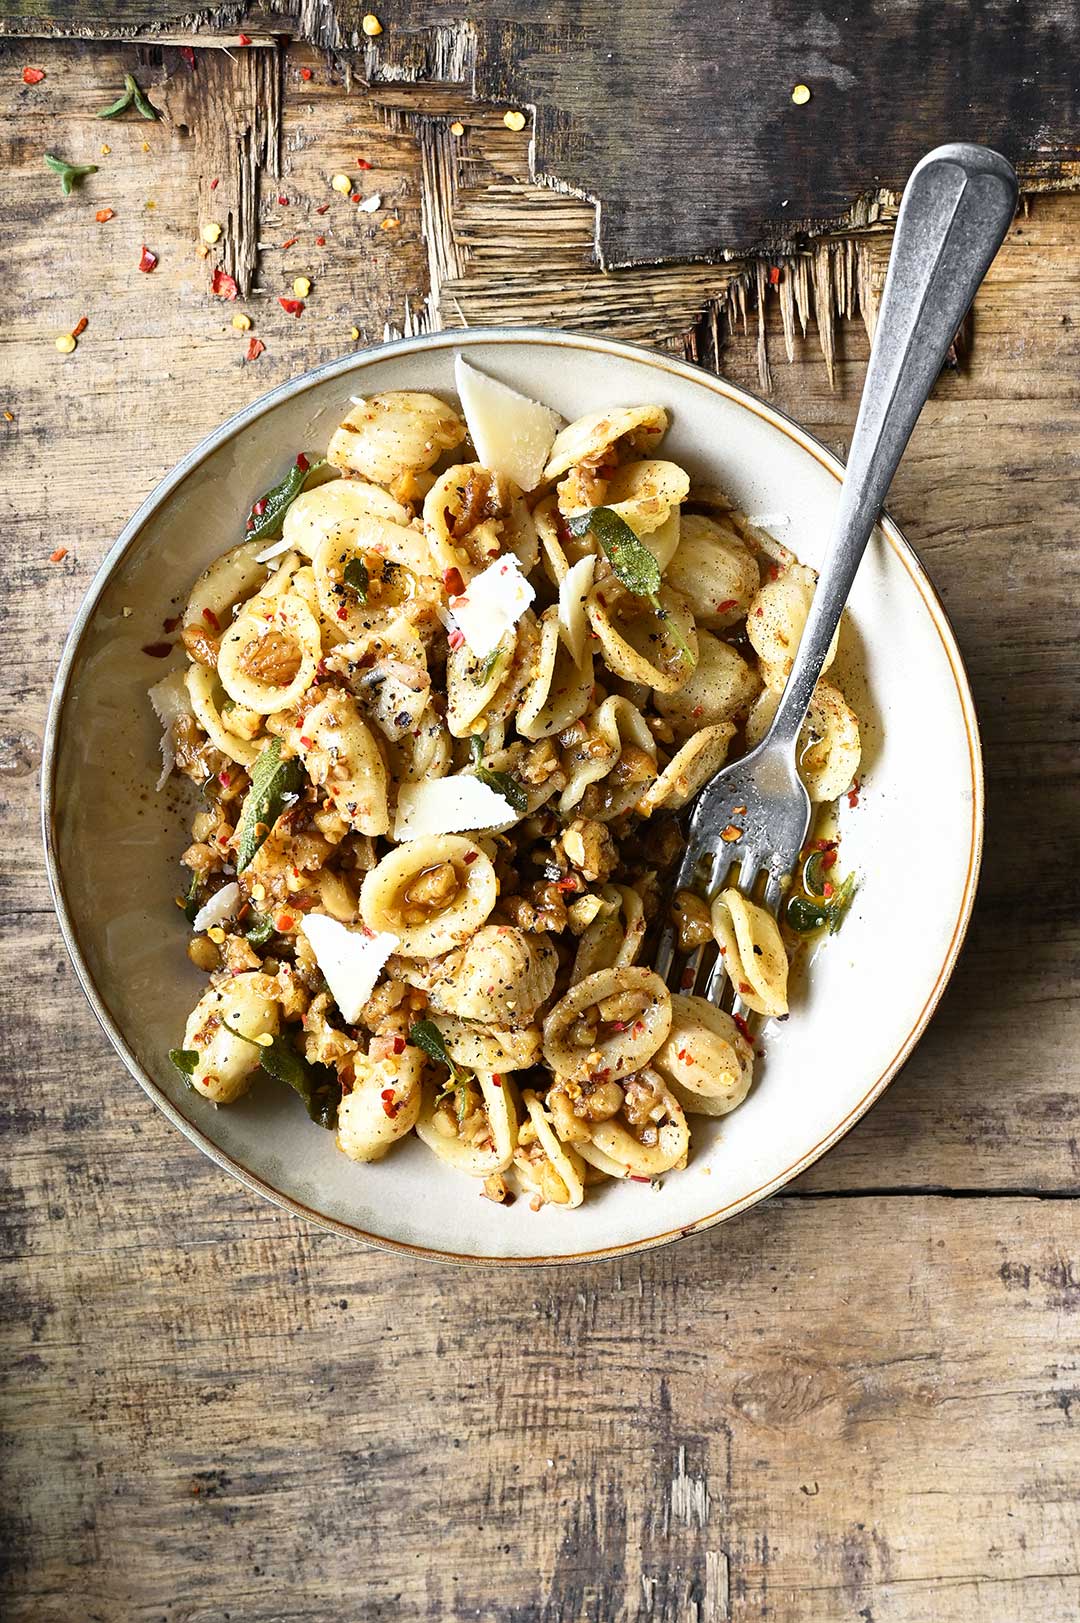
229 579
644 494
227 1064
559 691
830 746
382 1104
201 686
611 1050
614 937
776 621
616 1151
706 1061
592 436
339 752
392 435
399 574
386 903
499 978
696 762
722 687
715 570
481 692
273 640
472 515
635 642
754 953
338 508
567 1189
481 1159
609 734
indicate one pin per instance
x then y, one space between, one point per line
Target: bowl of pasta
364 782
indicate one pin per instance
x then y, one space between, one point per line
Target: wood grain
640 107
856 1403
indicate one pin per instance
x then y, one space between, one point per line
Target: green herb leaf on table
356 578
132 95
266 516
69 173
273 783
317 1085
503 783
186 1061
631 560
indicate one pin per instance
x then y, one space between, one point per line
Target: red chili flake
323 207
255 348
688 979
104 214
305 74
828 858
496 1078
618 1025
743 1027
260 507
243 39
308 743
320 242
728 603
758 613
79 327
853 798
289 243
171 623
223 285
33 76
223 777
470 856
284 921
292 307
343 613
215 183
774 571
156 650
211 619
569 883
399 1045
302 463
774 275
827 888
283 201
638 1177
362 163
698 710
456 639
744 987
58 556
148 260
355 198
639 1027
453 582
188 54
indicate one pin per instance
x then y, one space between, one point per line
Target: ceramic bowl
113 843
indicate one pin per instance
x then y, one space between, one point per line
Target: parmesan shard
350 959
574 588
457 805
513 435
274 550
492 605
221 907
170 700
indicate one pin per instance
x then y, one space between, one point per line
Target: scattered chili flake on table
188 54
283 201
255 348
243 39
58 556
65 343
79 327
354 333
215 183
322 208
301 287
457 127
104 214
354 197
9 416
210 232
320 242
364 163
305 74
148 259
223 285
241 322
288 243
774 275
292 307
33 76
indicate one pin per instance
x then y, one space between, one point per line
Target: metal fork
957 207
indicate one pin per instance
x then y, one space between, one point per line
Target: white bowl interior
116 842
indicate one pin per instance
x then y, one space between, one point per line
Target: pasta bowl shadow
112 843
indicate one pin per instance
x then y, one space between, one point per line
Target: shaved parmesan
512 434
574 588
170 700
219 909
350 960
455 805
493 604
274 550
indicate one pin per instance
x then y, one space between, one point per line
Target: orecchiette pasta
441 729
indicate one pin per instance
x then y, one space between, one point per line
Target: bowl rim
455 338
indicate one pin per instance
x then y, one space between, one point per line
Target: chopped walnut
590 848
690 916
239 955
293 995
272 659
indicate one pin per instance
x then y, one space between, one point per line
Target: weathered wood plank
263 1422
644 107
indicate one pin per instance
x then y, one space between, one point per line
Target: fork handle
957 206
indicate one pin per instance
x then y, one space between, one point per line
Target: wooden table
859 1401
